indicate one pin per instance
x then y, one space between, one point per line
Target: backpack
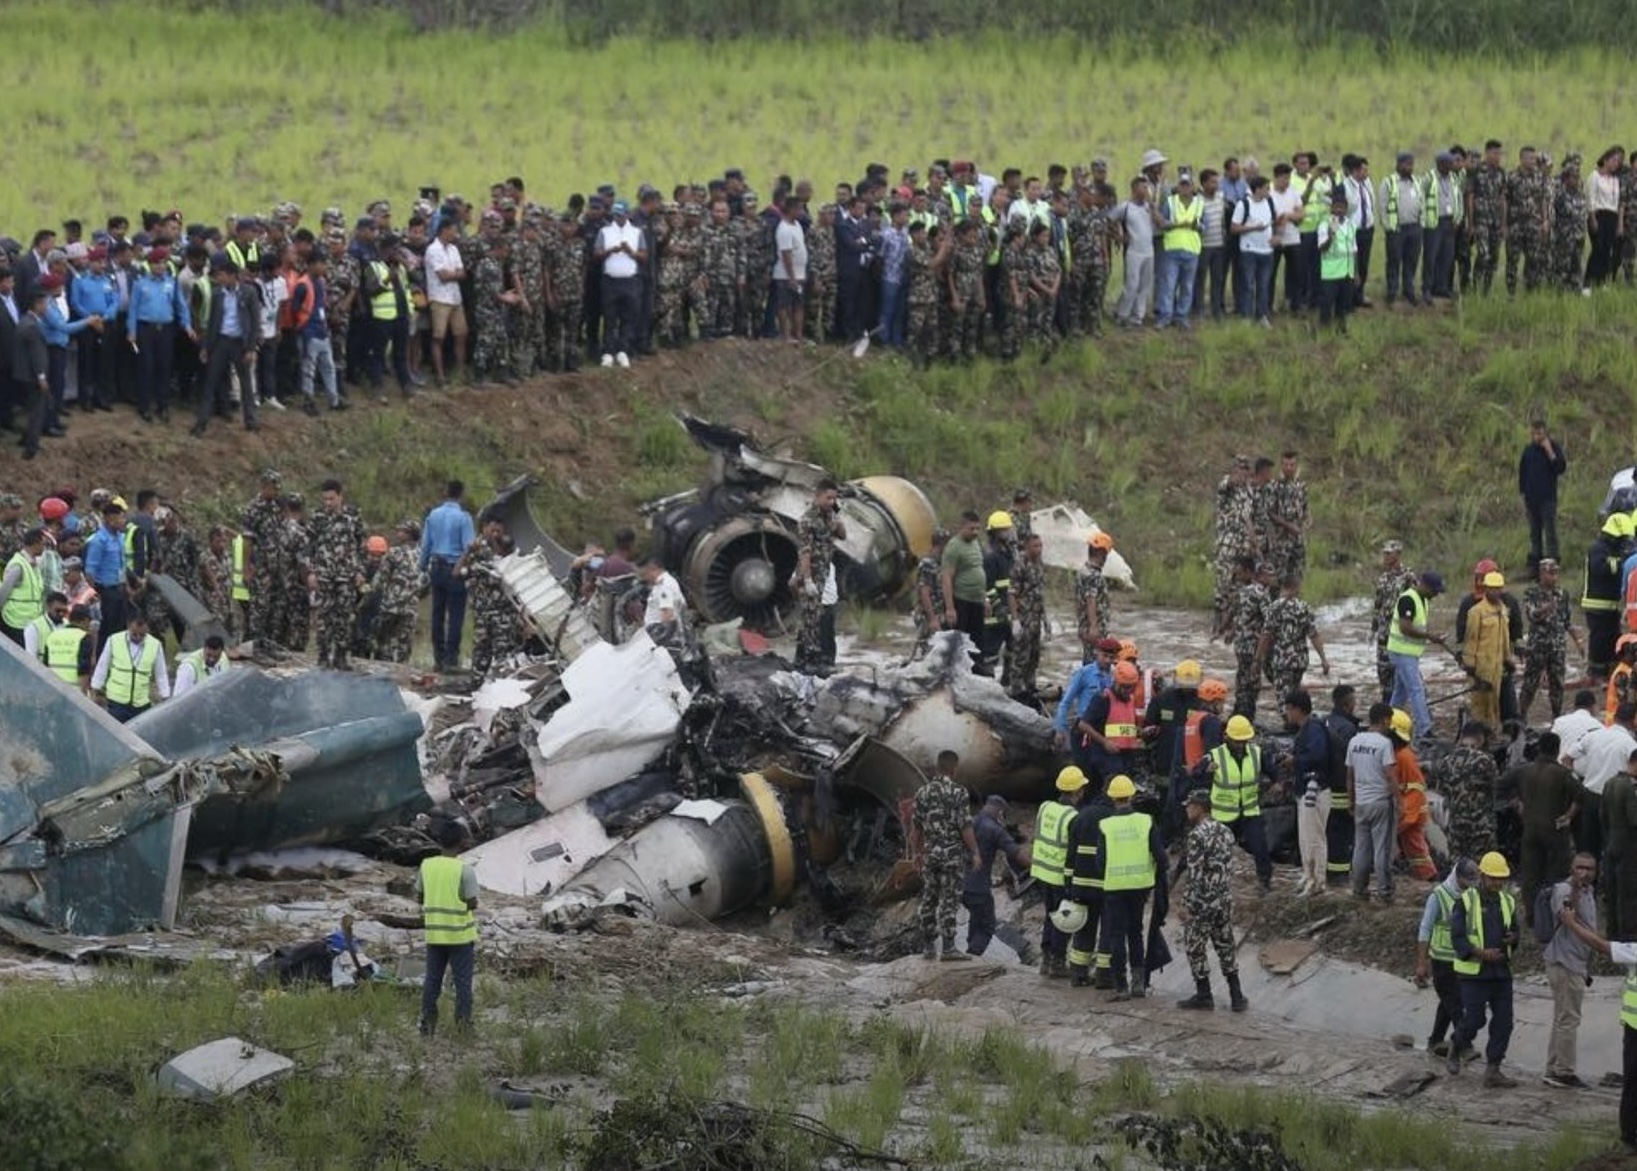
1543 920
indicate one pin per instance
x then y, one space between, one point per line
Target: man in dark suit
30 372
852 270
229 343
31 264
11 312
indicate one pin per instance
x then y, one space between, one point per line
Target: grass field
131 105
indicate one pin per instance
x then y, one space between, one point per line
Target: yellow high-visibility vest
62 652
241 585
448 920
1397 644
131 682
27 600
1130 863
1051 840
1235 791
1473 903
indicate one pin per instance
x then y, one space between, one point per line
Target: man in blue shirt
94 294
104 566
1086 684
444 537
157 311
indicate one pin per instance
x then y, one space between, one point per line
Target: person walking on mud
1483 927
942 838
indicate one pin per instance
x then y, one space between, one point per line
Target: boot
1122 991
1059 966
1494 1079
1103 980
1202 998
951 952
930 951
1236 995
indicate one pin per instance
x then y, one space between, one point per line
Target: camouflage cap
506 204
291 207
1571 161
692 209
424 208
1392 546
458 200
11 500
292 500
409 525
332 215
1200 797
271 476
380 207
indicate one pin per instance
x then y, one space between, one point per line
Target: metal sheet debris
219 1069
1063 531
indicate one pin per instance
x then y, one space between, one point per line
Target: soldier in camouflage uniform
821 275
1235 534
397 586
942 826
723 269
567 298
1546 606
177 554
756 246
1628 216
492 296
1261 508
1487 186
336 574
1287 519
1207 896
966 292
816 534
1391 583
262 526
1466 777
1029 597
1014 287
1569 227
495 634
929 593
679 267
1244 627
216 580
1528 223
1044 277
292 599
1286 630
922 298
529 264
340 292
1091 593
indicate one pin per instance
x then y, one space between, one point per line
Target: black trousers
1605 253
1602 628
228 354
622 312
980 922
155 356
1628 1090
1338 834
36 405
1309 291
1438 265
1403 255
1447 986
1366 241
1123 932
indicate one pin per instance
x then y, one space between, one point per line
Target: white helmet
1069 917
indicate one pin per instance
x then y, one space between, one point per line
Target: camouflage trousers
1568 259
671 311
1089 292
292 620
1471 830
1247 683
491 352
720 303
264 606
968 331
394 637
1222 587
1287 558
1011 330
1042 323
941 880
923 331
563 334
1531 249
1202 933
815 639
1539 661
334 603
1486 254
495 638
1384 671
1287 677
339 326
528 340
1023 663
751 304
821 307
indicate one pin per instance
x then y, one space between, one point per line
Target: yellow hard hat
1071 780
1402 726
1000 519
1121 788
1494 581
1189 673
1618 525
1494 865
1240 728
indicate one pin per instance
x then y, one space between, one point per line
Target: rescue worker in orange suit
1164 723
1134 863
1622 685
1412 801
1113 739
1236 769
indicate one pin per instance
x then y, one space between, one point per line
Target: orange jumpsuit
1412 815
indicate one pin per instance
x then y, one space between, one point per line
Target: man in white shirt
444 272
193 669
131 671
1287 233
663 616
790 270
1400 205
1361 210
1573 727
620 250
1597 757
1251 223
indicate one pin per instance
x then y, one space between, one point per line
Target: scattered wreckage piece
218 1069
198 623
1063 530
536 582
159 949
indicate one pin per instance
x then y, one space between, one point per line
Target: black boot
1236 995
1202 998
1079 977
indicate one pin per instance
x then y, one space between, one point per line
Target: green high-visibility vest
1235 791
448 920
241 585
1475 926
1440 947
130 682
27 599
1429 198
62 652
1130 863
1628 1001
1397 643
384 305
1050 849
1183 237
1336 261
1315 201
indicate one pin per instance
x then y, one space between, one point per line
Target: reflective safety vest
245 256
1440 947
1602 590
129 682
62 652
1234 784
1183 237
448 920
27 600
127 543
1612 692
1430 195
241 584
43 626
201 670
1129 864
1051 842
1120 729
1397 644
1475 926
1315 201
1193 740
384 305
1628 1001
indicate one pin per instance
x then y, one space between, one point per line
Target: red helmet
52 508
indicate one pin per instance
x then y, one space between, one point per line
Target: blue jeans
891 327
1409 693
1176 292
318 365
1258 270
457 961
448 612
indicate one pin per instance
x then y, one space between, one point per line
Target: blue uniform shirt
105 557
446 533
1085 685
157 300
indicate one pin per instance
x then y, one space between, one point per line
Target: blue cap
1433 580
619 207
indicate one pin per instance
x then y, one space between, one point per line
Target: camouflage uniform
1090 583
337 562
756 246
1029 587
1082 251
1208 898
177 555
340 279
1235 537
1488 186
218 595
722 266
1390 586
923 304
292 603
814 538
1095 292
1466 778
1528 214
928 573
495 633
966 269
1014 276
1250 616
1289 624
491 352
262 525
1042 266
1628 210
568 287
1569 237
1288 502
397 584
1548 643
821 282
678 265
942 813
529 262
